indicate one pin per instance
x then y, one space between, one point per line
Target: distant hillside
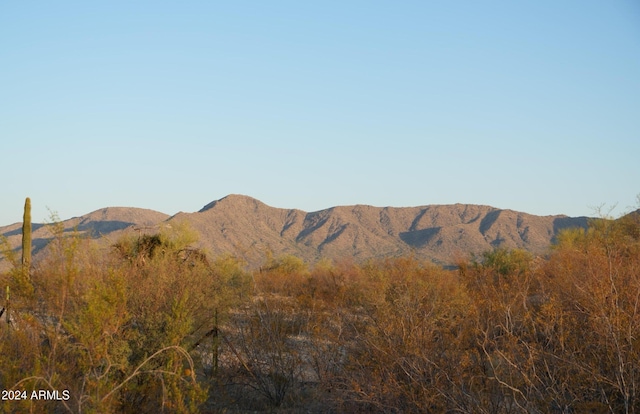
438 232
249 228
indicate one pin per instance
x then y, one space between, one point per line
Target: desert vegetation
155 325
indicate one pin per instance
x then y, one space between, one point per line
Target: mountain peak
238 199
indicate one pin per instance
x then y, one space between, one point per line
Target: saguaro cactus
26 238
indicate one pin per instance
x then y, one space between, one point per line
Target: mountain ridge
247 227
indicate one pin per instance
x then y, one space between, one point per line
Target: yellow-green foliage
115 331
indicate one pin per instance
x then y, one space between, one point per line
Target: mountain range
246 227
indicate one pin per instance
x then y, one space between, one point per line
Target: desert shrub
120 331
412 313
282 275
593 282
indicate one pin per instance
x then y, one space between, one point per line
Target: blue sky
527 105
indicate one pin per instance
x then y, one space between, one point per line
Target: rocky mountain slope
251 229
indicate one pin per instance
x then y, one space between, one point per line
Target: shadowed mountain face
249 228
